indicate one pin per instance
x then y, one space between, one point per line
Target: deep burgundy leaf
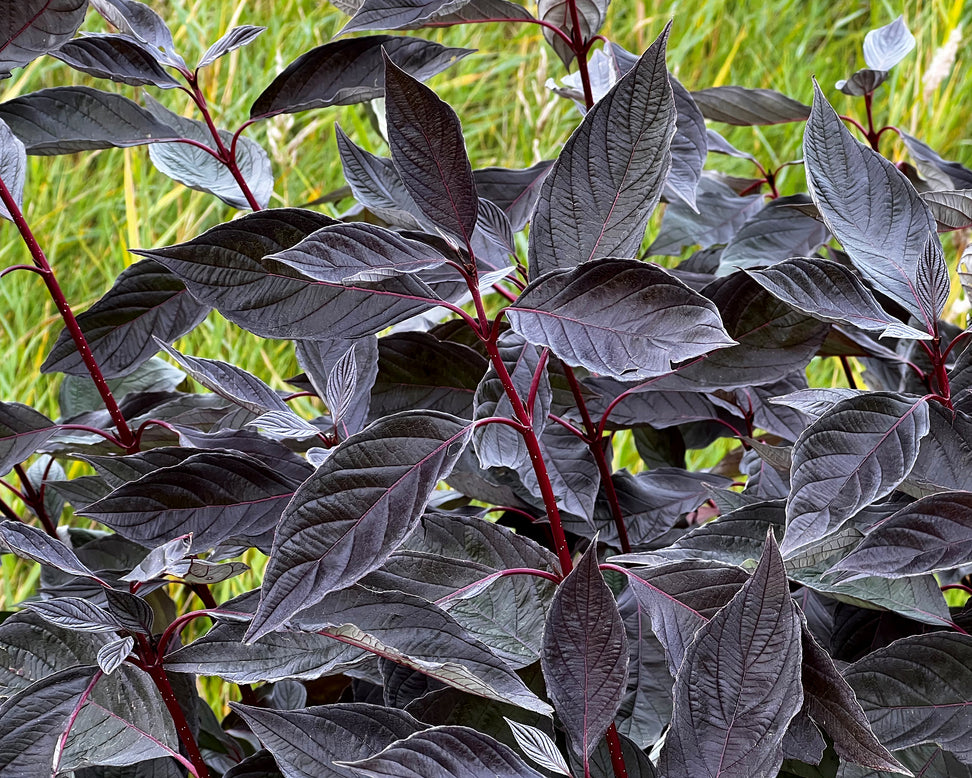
945 173
477 11
396 14
75 614
944 453
22 431
721 213
31 28
343 523
31 543
599 194
572 470
13 166
32 721
919 690
145 302
280 655
878 437
429 152
590 17
748 107
929 760
775 233
198 169
832 704
617 317
515 191
689 146
862 82
444 752
739 684
679 597
66 119
119 58
308 741
418 634
232 40
952 209
349 71
134 613
137 20
886 46
350 253
831 292
226 268
933 282
585 654
930 535
417 370
320 358
869 206
214 495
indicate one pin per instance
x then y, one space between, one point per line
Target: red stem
161 679
70 321
35 501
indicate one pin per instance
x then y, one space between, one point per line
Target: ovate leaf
13 167
444 752
350 71
739 685
22 431
537 745
344 522
869 205
396 14
306 742
590 17
232 40
855 453
66 119
31 543
919 690
886 46
744 107
136 19
31 28
585 654
115 57
599 194
618 317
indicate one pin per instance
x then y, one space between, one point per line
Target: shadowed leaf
30 28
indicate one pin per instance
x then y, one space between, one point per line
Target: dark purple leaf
350 71
13 167
515 191
869 206
831 292
919 690
396 14
854 454
886 46
775 233
679 597
721 213
31 28
418 634
133 612
75 614
930 535
417 370
213 495
429 152
862 82
590 17
932 283
353 253
945 173
599 194
952 209
308 741
689 147
232 40
196 168
258 765
137 20
145 302
22 431
636 762
744 107
739 685
572 470
498 445
119 58
66 119
927 761
112 654
32 721
585 654
444 752
226 268
944 453
319 359
538 747
31 543
478 11
803 741
280 655
618 317
343 523
832 704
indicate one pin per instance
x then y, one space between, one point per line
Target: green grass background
88 209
